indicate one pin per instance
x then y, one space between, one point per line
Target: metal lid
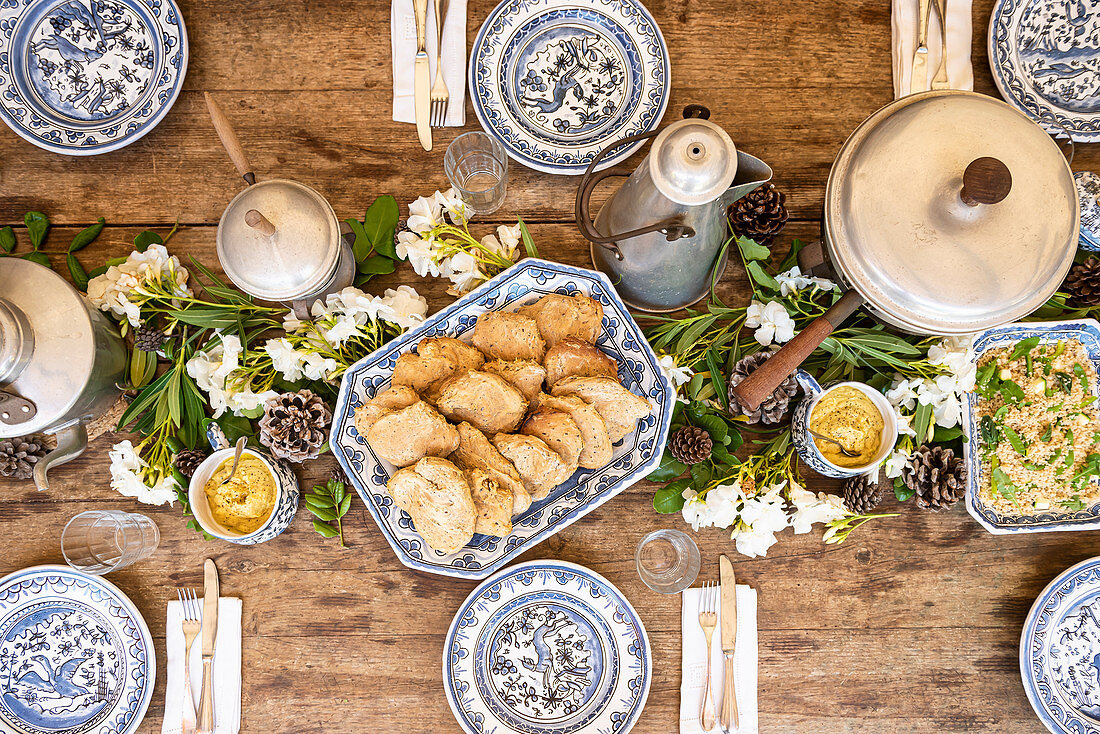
296 260
47 343
901 234
693 161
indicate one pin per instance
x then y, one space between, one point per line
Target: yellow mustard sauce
847 415
243 504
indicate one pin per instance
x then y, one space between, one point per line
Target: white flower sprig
772 322
125 287
132 476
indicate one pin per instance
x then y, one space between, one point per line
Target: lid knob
259 222
986 181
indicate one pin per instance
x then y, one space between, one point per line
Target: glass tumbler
100 541
667 561
477 167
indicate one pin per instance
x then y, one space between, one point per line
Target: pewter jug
661 235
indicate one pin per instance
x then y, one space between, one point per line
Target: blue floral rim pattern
1086 331
546 647
633 458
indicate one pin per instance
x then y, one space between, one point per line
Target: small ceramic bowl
286 493
804 443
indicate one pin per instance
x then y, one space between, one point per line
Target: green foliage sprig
374 249
328 503
38 225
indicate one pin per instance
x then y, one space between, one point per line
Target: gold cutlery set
203 721
431 103
724 594
918 81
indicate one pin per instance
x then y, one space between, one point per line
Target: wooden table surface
911 626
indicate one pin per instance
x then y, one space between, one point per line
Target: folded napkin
403 44
227 669
695 663
906 26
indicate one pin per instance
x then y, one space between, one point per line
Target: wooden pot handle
259 222
229 140
763 381
985 181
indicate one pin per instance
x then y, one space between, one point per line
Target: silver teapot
659 236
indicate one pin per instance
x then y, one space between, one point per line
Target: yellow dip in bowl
846 414
244 503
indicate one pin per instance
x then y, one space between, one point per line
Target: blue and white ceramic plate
1086 331
1045 58
1088 192
557 82
546 647
634 457
1060 651
75 655
83 77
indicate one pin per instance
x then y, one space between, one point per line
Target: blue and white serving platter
1045 58
1060 651
633 458
546 647
1086 331
75 655
557 82
83 77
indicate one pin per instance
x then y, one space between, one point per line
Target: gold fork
191 625
440 96
708 619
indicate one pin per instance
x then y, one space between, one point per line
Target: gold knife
728 718
211 590
421 80
918 81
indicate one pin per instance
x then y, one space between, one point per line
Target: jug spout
751 174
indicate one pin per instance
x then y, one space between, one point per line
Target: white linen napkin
905 23
403 46
695 662
227 669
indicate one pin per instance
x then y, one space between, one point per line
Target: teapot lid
693 161
47 344
295 260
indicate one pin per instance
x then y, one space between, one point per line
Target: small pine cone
148 338
774 408
293 425
862 494
337 475
19 455
759 214
690 445
402 225
936 476
1082 285
188 460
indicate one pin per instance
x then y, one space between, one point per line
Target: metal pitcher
659 235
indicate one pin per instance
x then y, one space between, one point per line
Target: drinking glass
100 541
667 561
477 167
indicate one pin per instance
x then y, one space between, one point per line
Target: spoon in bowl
240 448
843 449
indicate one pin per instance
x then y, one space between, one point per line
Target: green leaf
943 435
146 238
345 505
234 426
325 529
901 491
37 257
700 476
922 418
1023 347
752 250
143 367
668 470
85 236
7 239
670 499
76 270
322 512
756 272
361 247
528 241
1018 443
380 223
376 265
692 334
317 500
716 378
715 426
37 226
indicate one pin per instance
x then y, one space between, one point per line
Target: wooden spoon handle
763 381
229 140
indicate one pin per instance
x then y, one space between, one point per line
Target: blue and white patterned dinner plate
557 81
75 655
1045 58
83 77
633 457
1060 651
546 647
1086 331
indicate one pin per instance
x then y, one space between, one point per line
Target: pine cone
188 460
402 225
936 475
337 475
690 445
1083 283
862 494
293 425
774 408
19 455
759 214
148 338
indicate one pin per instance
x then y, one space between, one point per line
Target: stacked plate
1088 191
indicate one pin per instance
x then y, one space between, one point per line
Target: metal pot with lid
60 361
946 212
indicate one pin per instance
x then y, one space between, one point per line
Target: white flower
424 214
675 374
762 517
112 290
285 359
771 321
343 328
813 508
354 303
457 210
126 477
316 367
948 412
212 370
718 508
421 254
793 281
905 425
895 462
462 270
404 307
291 323
903 393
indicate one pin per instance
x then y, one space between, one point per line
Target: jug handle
672 229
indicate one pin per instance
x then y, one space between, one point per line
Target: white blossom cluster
772 322
211 370
127 477
113 290
756 520
675 374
